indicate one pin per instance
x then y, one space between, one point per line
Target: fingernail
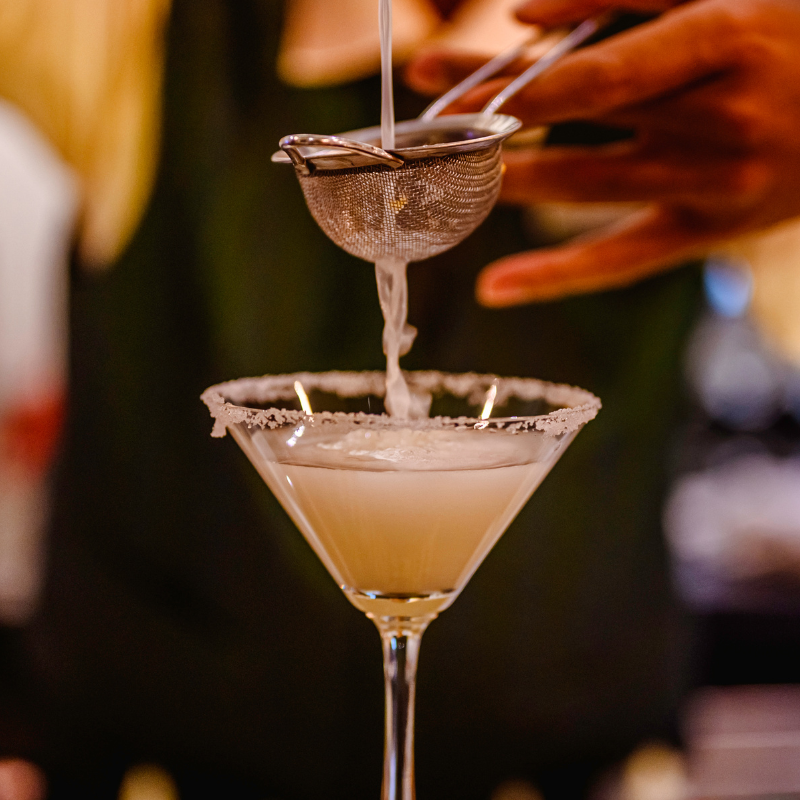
499 293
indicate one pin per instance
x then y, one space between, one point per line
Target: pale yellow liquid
404 540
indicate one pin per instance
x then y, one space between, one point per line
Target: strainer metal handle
488 70
572 40
576 37
291 146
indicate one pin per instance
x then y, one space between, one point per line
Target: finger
651 60
436 71
624 172
648 242
551 13
715 115
433 72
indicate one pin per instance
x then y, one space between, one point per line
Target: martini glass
400 511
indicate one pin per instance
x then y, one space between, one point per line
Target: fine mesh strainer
428 193
423 201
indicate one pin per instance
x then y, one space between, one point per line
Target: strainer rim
500 127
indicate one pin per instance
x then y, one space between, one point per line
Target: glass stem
401 637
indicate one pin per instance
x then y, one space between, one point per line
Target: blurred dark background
183 621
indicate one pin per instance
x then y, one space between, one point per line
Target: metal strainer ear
432 190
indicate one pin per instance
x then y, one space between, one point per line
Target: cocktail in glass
401 511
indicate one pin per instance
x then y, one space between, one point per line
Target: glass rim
229 402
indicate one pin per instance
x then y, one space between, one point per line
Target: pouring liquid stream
390 273
398 335
387 89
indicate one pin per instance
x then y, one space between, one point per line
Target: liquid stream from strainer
387 87
398 335
390 273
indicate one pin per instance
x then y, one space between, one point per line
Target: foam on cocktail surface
414 450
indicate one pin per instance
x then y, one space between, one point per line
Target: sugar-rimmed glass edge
228 401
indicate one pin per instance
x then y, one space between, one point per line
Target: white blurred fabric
38 209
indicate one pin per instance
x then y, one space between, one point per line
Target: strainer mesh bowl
411 213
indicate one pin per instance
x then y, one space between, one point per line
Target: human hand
712 91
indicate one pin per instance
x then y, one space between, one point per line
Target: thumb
434 71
